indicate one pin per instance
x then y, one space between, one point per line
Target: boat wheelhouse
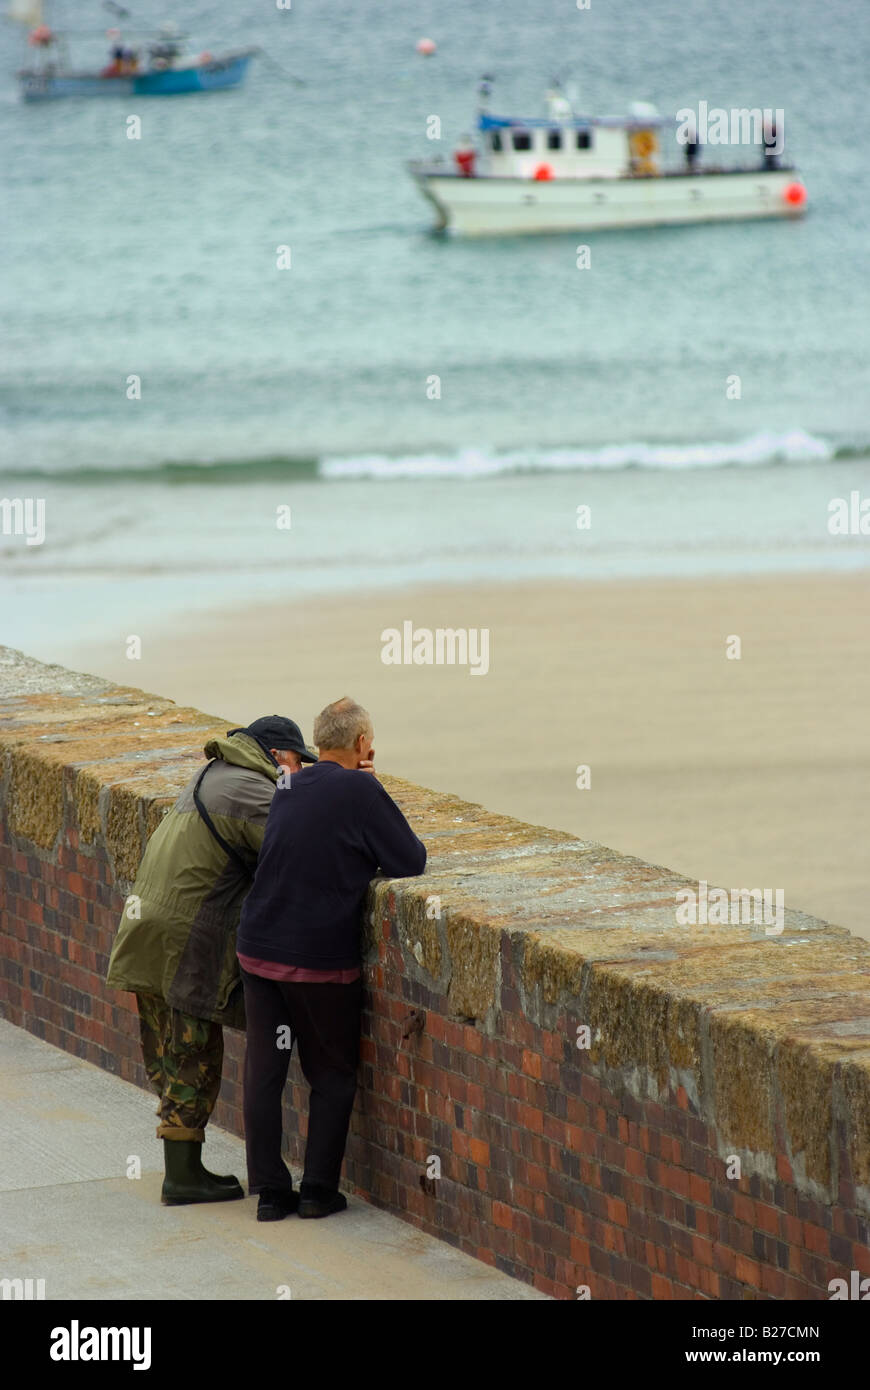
568 172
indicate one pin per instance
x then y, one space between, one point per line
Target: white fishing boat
571 172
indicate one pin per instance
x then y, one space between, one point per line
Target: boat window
522 139
584 139
554 139
495 139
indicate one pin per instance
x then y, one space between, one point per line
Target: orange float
795 194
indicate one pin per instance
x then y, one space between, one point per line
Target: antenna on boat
484 88
558 103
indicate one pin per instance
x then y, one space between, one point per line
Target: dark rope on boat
288 76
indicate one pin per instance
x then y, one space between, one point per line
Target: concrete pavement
69 1214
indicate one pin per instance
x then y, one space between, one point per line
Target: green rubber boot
187 1181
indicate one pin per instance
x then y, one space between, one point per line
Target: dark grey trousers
324 1022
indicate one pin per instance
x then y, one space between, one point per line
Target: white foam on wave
796 446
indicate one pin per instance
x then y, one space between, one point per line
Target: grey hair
340 724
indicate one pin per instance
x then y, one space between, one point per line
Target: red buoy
426 47
543 172
795 194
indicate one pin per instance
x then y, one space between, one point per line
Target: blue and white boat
203 75
155 66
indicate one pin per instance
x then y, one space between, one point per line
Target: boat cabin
568 147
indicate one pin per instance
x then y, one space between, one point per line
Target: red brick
531 1118
575 1139
590 1090
613 1239
460 1143
635 1163
502 1216
549 1287
674 1179
457 1088
577 1221
709 1281
532 1063
799 1289
773 1281
662 1289
479 1152
702 1250
687 1271
580 1252
520 1086
523 1225
538 1177
436 1026
861 1259
748 1271
767 1218
707 1222
617 1211
792 1230
724 1259
553 1130
816 1239
783 1169
590 1173
699 1190
476 1096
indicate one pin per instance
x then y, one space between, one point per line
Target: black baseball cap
274 731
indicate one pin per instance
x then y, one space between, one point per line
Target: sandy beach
747 772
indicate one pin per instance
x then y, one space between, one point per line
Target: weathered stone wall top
769 1035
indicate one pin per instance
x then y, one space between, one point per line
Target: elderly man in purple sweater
330 831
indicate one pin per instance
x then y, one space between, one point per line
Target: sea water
397 407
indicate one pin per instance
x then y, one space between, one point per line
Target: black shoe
316 1201
274 1205
187 1181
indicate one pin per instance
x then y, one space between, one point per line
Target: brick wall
603 1167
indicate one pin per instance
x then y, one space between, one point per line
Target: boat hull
227 71
485 206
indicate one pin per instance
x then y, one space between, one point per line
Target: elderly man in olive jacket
176 945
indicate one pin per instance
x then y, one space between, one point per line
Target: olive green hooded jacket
177 936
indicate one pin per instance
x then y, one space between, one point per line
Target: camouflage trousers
184 1061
